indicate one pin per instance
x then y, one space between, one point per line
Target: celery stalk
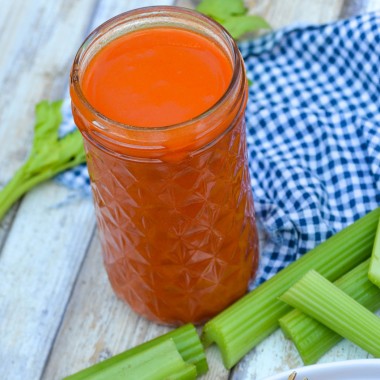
320 299
251 319
374 268
187 343
158 362
312 338
49 156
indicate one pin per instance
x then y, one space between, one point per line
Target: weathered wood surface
44 244
57 311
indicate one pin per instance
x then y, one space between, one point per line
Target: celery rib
187 343
251 319
49 155
320 299
157 362
374 268
312 338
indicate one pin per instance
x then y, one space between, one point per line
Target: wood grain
280 13
34 63
96 325
354 7
44 246
38 267
38 42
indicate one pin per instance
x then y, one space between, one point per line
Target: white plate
363 369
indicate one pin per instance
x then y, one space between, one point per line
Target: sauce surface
156 77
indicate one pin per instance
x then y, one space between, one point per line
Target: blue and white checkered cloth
313 120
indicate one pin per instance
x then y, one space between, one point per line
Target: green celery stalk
314 339
187 343
320 299
251 319
374 268
158 362
49 155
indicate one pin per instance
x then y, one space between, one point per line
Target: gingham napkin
313 121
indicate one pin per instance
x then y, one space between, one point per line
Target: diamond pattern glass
179 238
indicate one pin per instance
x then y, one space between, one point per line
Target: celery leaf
232 14
239 25
221 9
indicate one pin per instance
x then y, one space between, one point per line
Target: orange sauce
179 236
157 77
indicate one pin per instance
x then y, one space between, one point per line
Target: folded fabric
313 122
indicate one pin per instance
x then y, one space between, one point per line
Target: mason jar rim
146 12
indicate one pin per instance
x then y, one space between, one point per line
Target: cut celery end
317 297
306 337
187 343
251 319
155 363
374 268
312 338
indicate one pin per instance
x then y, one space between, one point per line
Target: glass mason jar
174 204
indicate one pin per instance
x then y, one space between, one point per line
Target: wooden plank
5 225
370 5
280 13
32 68
38 40
44 247
354 7
38 268
96 324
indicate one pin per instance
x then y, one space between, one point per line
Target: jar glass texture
173 204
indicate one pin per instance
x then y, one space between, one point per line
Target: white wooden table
57 311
